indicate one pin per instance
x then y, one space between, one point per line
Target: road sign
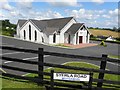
71 77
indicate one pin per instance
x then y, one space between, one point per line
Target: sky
94 13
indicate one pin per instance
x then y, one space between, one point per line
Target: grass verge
114 56
80 64
16 84
60 45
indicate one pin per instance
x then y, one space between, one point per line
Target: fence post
102 67
40 65
90 81
52 80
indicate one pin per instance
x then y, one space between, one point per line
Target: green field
107 33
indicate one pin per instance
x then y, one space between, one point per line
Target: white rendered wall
66 37
33 28
46 38
72 38
51 39
88 40
82 33
17 30
57 39
72 21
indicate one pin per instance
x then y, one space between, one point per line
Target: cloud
47 15
106 16
25 10
5 5
57 15
61 3
98 1
96 18
113 12
85 14
14 13
1 15
101 11
25 4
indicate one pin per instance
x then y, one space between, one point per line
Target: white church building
53 31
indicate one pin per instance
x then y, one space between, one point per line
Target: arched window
69 38
35 35
24 34
29 32
42 39
54 38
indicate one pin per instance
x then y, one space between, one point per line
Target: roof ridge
56 18
22 19
47 19
79 23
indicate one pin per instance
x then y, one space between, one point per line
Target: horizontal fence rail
25 70
40 79
82 69
60 66
21 77
59 54
19 49
18 60
107 81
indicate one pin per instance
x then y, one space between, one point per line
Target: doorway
69 38
54 38
80 39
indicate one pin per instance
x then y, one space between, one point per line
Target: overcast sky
94 13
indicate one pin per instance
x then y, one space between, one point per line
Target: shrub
103 44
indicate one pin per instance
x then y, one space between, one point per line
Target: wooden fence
97 84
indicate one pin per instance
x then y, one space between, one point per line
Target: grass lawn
114 56
10 83
18 84
80 64
60 45
0 32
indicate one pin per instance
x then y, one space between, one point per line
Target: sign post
52 80
71 77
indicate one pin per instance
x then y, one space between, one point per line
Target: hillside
106 33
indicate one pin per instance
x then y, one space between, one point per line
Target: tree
114 29
119 29
8 31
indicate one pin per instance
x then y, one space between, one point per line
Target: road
111 49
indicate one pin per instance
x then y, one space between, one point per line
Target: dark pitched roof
74 28
58 22
50 30
21 22
40 24
50 25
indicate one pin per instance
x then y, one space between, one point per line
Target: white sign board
71 77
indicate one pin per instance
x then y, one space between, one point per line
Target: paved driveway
89 51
